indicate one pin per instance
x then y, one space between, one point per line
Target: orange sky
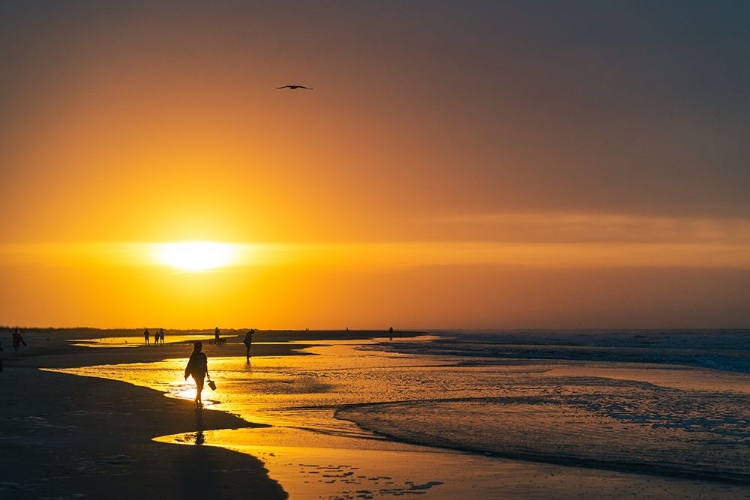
458 165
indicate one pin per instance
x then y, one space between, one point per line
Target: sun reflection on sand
131 341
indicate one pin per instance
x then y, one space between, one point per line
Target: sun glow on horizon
195 256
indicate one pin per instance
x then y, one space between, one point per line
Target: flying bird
293 87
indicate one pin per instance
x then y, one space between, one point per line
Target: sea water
438 414
658 402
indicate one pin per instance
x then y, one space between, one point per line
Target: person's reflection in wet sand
200 438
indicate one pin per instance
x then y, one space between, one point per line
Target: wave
509 404
727 350
535 429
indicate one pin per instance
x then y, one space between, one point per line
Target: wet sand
64 436
76 437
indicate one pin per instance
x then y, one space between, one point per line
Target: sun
196 255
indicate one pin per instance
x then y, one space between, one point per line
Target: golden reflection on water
132 341
257 391
164 376
314 455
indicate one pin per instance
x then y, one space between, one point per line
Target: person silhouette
17 341
391 332
197 367
248 343
146 336
216 336
161 336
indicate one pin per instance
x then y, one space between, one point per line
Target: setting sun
196 255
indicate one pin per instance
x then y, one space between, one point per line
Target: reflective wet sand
313 454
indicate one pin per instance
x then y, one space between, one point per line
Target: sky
457 164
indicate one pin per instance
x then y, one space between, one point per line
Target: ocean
437 414
658 402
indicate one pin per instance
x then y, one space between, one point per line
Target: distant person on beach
17 341
161 336
197 367
248 343
391 332
216 336
146 336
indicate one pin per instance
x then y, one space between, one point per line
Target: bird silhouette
293 87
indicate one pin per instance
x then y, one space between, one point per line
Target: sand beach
65 436
84 415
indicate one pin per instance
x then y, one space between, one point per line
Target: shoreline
67 436
105 438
